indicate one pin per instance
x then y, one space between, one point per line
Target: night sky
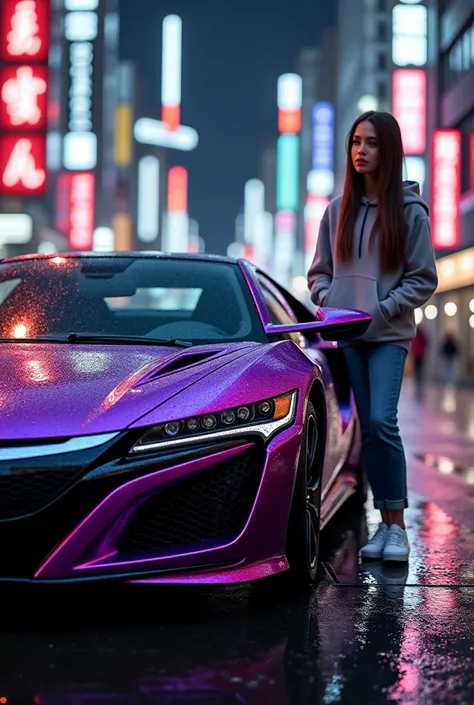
231 61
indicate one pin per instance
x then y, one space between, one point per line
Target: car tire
305 515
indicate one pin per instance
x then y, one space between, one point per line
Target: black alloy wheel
305 516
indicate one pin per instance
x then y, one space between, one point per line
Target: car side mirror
330 324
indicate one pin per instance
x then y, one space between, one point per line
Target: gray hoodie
390 298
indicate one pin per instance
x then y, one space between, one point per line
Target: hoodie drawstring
362 228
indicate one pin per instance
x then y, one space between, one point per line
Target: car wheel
305 516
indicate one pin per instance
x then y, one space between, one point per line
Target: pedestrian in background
450 351
419 348
374 253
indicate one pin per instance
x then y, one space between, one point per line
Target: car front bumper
214 513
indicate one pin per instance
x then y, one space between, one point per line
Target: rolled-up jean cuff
389 504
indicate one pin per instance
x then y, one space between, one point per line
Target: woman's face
364 149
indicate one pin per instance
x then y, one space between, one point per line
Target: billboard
409 108
446 188
24 49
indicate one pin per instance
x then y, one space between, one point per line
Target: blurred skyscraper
318 68
267 171
363 66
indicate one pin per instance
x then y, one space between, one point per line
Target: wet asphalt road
365 635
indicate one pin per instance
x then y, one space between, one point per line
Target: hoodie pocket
359 292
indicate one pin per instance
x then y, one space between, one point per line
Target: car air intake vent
182 362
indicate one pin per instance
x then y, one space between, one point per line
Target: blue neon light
323 136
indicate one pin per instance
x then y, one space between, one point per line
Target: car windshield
148 297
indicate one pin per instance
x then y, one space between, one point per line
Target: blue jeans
376 375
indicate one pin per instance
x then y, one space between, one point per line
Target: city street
372 635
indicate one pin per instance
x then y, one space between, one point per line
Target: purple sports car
168 419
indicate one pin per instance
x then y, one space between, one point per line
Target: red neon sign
446 188
23 93
289 121
177 190
171 115
25 30
81 231
22 164
409 108
24 48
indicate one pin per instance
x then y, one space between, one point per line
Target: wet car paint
98 389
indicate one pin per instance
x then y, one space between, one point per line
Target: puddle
446 466
442 553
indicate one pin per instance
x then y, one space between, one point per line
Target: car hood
60 390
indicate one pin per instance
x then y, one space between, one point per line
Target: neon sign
446 188
23 37
25 34
320 180
80 141
81 232
287 187
290 100
177 190
22 161
24 47
410 35
81 57
23 96
171 71
409 108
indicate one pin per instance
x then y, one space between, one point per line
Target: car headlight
276 411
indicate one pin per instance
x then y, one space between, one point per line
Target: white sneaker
374 549
397 547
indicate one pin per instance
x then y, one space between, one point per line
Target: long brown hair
390 221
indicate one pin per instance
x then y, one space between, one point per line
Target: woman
374 253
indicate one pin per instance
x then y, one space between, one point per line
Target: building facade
318 69
454 301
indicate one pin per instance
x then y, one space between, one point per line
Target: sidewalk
438 435
442 421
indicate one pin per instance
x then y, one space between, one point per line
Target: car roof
199 257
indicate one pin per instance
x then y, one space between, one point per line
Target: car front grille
28 490
213 504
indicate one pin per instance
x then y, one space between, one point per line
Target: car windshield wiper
40 339
127 340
